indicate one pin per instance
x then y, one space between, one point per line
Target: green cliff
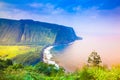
29 32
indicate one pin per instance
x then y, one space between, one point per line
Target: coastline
47 56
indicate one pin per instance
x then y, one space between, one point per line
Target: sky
92 17
97 21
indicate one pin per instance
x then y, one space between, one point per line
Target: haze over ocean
76 55
97 21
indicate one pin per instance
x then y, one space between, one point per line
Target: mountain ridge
29 32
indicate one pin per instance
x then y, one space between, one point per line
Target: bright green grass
13 51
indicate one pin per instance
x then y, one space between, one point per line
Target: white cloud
2 4
90 21
36 5
47 8
77 8
5 6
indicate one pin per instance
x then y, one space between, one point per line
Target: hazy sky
87 17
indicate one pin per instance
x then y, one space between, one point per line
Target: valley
27 55
32 50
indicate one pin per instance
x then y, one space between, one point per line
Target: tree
17 66
5 63
48 69
94 59
9 62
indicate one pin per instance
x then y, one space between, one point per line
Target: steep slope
29 32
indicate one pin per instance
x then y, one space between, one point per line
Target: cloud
46 8
90 21
36 5
4 6
77 8
10 11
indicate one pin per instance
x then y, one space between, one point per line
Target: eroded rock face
29 32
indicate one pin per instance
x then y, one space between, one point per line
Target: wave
47 56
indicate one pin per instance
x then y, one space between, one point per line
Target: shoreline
47 56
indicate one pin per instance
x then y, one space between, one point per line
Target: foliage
21 54
94 59
17 66
5 63
48 69
30 58
43 71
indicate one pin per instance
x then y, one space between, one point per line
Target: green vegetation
94 59
13 51
5 63
27 55
43 71
29 32
31 57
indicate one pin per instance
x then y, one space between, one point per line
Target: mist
76 55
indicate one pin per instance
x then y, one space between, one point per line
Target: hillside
29 32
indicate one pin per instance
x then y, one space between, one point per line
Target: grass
13 51
27 55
